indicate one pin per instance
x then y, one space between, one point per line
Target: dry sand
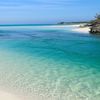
7 96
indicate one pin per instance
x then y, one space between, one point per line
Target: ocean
49 62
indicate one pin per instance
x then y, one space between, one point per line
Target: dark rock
95 26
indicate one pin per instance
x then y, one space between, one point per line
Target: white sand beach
83 30
74 28
7 96
77 28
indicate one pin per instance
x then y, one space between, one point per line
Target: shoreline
77 28
73 28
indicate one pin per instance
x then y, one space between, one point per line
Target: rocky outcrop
95 26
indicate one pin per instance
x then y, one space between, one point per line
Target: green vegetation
95 25
71 23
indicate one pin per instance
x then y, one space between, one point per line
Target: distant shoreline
77 28
80 28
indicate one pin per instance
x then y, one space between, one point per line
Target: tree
97 16
95 25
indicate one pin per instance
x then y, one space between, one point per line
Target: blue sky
47 11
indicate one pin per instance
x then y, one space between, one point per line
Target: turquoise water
49 63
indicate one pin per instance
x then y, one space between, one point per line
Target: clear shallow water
49 63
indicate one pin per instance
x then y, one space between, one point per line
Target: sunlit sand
77 28
7 96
